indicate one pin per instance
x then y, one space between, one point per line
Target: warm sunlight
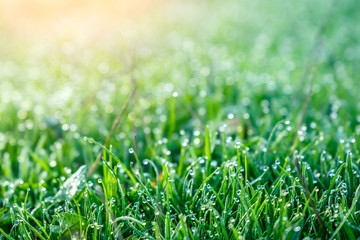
70 19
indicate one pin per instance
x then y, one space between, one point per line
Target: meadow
176 119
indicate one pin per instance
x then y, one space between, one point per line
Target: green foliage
206 150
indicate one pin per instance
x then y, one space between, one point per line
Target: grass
222 140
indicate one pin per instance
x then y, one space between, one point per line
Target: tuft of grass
224 139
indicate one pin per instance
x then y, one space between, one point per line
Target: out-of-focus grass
220 91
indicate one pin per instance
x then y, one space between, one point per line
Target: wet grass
223 139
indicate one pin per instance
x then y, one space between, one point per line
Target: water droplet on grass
230 116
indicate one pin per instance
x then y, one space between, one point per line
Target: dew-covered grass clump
176 119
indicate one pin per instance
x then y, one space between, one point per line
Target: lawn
178 119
